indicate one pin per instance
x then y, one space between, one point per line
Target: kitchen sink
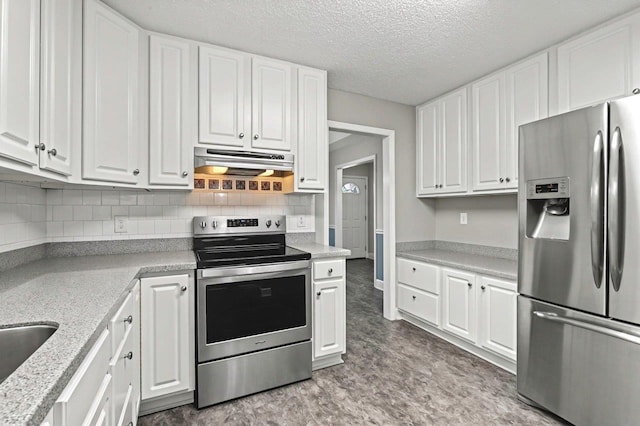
18 343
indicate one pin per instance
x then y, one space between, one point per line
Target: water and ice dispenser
548 208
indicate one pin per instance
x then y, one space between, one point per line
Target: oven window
254 307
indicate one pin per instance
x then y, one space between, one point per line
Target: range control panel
548 188
220 225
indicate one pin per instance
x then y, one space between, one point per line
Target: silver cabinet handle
183 288
469 285
185 174
53 152
319 294
636 91
130 424
136 172
482 287
241 135
597 210
414 269
301 179
414 298
129 319
330 271
501 180
508 180
256 137
41 146
616 210
128 356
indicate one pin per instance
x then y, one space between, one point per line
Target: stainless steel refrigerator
579 264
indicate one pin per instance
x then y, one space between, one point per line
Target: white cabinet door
600 65
165 335
453 152
111 97
427 149
459 306
135 364
527 92
61 85
170 114
271 104
312 158
488 129
329 317
20 79
498 313
224 97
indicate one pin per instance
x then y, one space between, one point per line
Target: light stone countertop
80 295
319 251
489 265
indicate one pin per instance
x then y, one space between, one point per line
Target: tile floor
394 374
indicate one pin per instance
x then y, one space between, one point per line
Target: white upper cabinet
500 103
111 98
599 65
224 97
61 85
312 157
441 148
271 104
20 79
171 116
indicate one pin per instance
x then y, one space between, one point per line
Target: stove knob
277 223
268 223
203 224
214 224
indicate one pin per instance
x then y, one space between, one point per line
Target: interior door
354 215
624 210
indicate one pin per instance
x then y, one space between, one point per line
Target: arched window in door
350 188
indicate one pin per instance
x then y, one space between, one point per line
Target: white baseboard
328 361
370 256
162 403
379 284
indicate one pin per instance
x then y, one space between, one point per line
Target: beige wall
415 218
492 220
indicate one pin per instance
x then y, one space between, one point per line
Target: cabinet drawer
76 400
99 414
333 268
126 416
121 323
419 275
122 371
421 304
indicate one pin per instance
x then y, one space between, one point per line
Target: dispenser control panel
548 188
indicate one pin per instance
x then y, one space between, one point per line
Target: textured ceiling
406 51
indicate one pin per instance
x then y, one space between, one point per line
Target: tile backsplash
30 216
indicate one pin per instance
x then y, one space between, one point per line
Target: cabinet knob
501 180
183 288
414 298
256 136
414 269
185 174
319 294
136 172
130 424
128 356
301 179
330 270
469 285
241 135
41 146
482 287
53 152
128 319
508 180
636 91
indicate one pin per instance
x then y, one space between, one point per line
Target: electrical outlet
120 224
463 218
300 222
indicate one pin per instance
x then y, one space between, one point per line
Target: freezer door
582 367
624 210
562 255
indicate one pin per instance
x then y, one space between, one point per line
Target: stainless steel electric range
253 323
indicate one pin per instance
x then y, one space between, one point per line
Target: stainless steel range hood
243 163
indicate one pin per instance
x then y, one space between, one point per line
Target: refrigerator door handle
616 209
597 210
552 316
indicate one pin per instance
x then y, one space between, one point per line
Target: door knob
53 152
256 137
241 135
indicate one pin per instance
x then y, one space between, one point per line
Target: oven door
249 308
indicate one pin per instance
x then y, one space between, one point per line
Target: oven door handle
253 270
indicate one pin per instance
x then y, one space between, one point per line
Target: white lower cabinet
475 312
167 335
100 392
329 311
